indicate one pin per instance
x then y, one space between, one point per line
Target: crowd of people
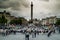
30 30
51 29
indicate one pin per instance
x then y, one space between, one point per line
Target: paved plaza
20 36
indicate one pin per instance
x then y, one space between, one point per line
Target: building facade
49 20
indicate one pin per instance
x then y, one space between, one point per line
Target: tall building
31 12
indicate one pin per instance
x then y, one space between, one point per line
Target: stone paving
20 36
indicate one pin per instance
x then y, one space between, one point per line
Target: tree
58 22
19 20
3 19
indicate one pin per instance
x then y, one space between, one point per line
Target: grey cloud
13 4
47 7
43 0
2 0
53 6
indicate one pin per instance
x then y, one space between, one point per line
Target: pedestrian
49 33
33 36
54 29
50 30
35 33
27 36
59 28
14 32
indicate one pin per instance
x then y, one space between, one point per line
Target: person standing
50 30
27 36
59 28
34 34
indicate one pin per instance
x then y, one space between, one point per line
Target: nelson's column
31 12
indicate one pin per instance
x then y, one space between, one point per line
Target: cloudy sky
42 8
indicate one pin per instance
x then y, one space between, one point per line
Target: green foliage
17 21
3 19
58 22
